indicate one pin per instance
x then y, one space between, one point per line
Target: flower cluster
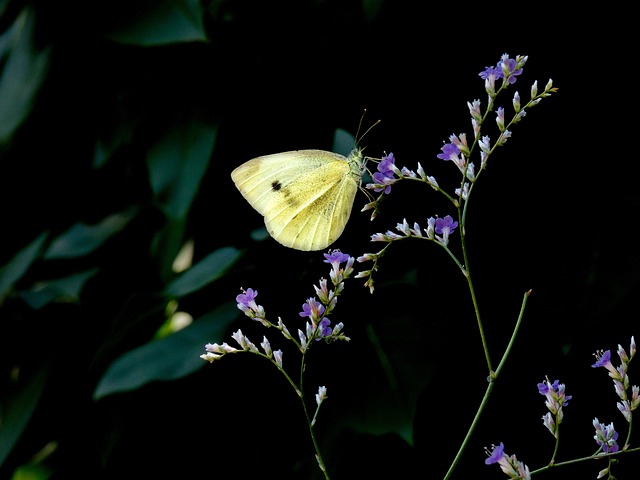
317 328
385 176
621 378
458 150
438 230
506 69
555 400
509 464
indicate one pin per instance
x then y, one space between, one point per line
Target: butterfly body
305 196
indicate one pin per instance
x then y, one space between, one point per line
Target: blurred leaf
170 358
159 22
343 142
177 164
65 289
386 401
17 407
371 8
32 471
23 73
19 264
210 268
82 239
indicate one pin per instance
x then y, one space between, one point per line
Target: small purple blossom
496 454
509 70
315 311
505 68
508 464
606 437
385 175
603 359
488 71
554 393
335 257
447 223
325 327
337 274
555 400
312 309
246 300
247 304
449 152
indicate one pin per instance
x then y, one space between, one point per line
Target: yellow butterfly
305 196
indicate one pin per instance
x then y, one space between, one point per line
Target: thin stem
583 459
472 428
626 442
492 378
474 299
555 448
310 421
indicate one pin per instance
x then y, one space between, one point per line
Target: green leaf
66 289
169 358
82 239
371 8
18 265
343 142
210 268
177 164
22 75
159 23
386 400
17 405
32 471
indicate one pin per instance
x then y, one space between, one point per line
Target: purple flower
325 329
505 68
315 311
508 464
490 71
337 274
335 257
554 392
603 359
606 437
247 298
385 175
496 454
555 400
509 70
449 152
447 223
247 303
312 309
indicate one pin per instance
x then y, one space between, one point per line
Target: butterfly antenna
358 138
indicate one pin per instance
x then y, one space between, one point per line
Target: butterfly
305 196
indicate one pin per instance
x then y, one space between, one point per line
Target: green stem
583 459
492 378
309 420
467 273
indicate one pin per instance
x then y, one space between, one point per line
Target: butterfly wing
305 196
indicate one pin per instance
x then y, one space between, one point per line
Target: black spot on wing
280 189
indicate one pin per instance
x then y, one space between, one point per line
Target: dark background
204 86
